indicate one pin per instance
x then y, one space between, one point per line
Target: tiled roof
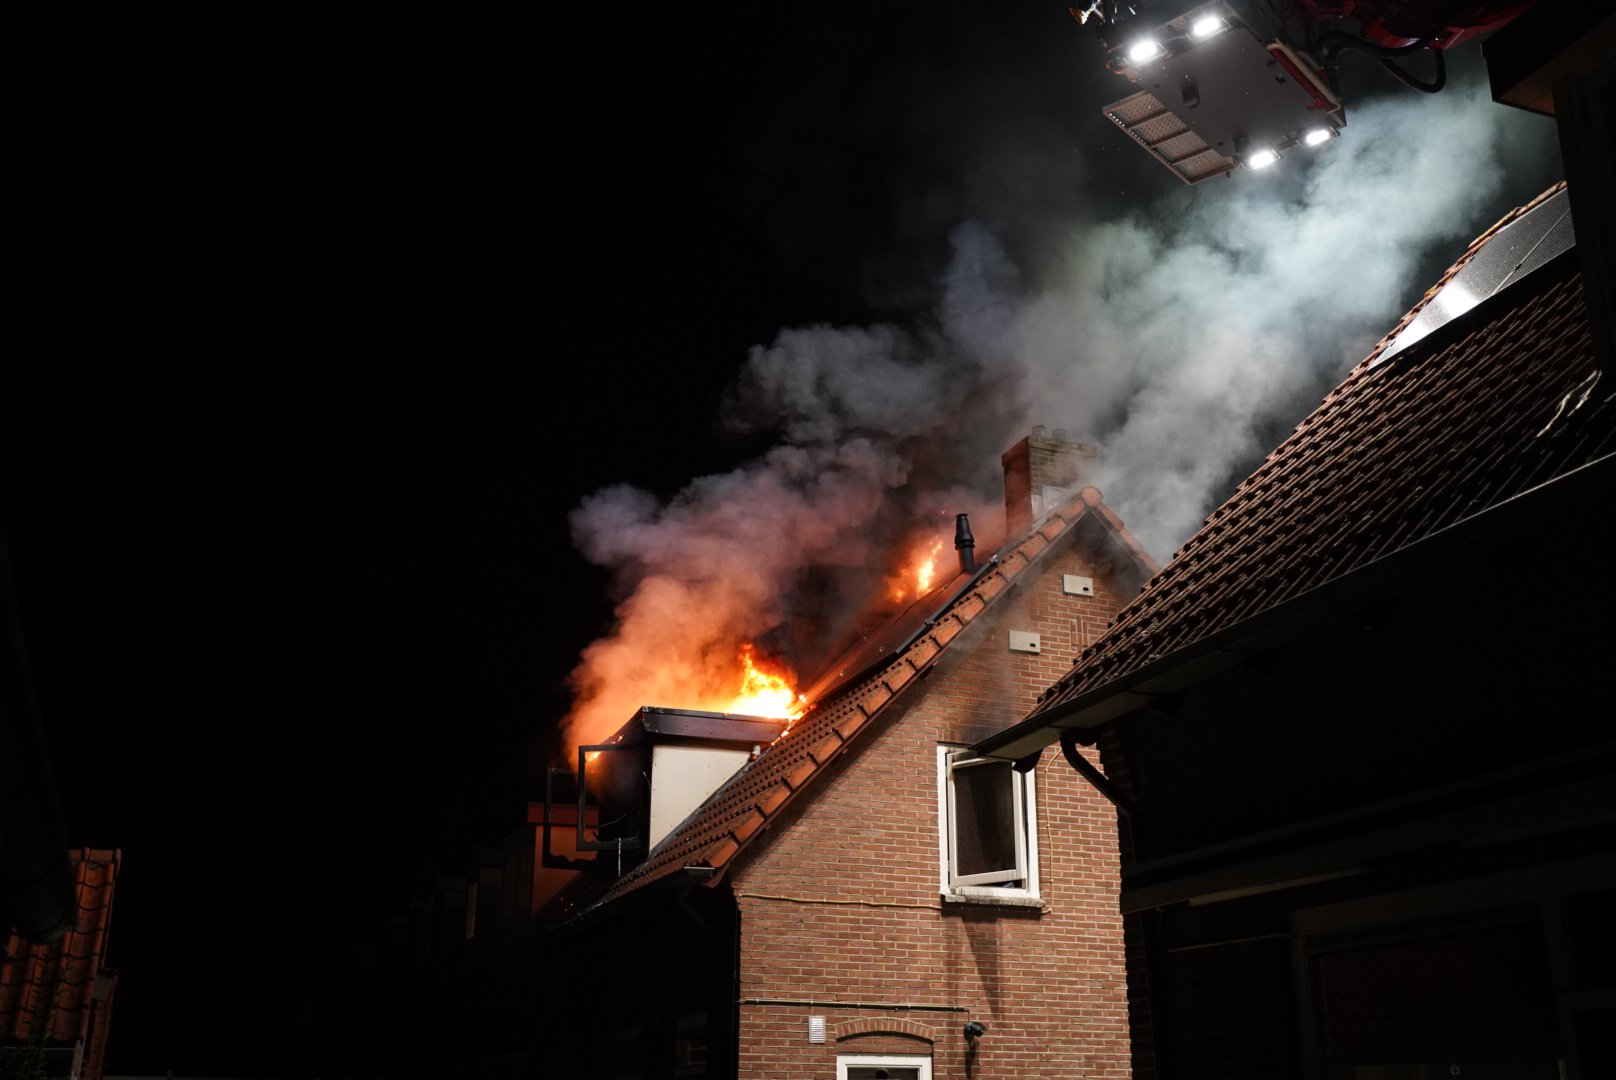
57 993
734 815
1500 401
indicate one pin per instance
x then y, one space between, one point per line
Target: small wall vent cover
1022 641
1076 585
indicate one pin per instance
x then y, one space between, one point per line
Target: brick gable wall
840 909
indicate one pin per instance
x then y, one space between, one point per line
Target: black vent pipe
964 543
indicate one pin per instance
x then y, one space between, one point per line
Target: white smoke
1184 339
1188 341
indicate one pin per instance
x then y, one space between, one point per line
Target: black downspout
1147 924
1094 776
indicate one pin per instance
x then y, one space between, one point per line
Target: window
987 828
882 1067
690 1045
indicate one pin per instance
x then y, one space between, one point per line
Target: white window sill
993 898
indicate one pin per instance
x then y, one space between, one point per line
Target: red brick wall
840 909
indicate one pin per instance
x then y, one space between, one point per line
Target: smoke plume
1184 337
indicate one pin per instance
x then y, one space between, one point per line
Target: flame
766 692
918 573
926 569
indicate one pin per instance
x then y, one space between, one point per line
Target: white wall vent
1077 586
1022 641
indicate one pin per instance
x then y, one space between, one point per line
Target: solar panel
1506 257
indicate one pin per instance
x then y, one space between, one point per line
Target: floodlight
1318 135
1261 159
1205 26
1144 49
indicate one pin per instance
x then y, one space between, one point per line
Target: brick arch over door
883 1035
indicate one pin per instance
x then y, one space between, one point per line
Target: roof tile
801 774
772 798
946 630
992 586
876 697
826 749
855 719
1011 566
720 853
747 826
969 608
899 674
924 651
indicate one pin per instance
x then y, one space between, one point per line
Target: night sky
333 325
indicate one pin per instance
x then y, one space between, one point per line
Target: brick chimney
1040 472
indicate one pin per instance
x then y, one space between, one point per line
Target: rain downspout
1101 782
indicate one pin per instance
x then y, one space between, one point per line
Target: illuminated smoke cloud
1185 340
1190 340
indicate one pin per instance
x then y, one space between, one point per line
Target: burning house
844 889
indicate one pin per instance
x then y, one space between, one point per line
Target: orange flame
766 692
926 569
917 575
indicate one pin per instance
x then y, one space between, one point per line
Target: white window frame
1019 886
879 1061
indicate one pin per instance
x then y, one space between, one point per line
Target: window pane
883 1072
984 818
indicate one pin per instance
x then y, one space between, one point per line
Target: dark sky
332 324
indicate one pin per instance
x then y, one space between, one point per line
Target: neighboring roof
734 815
1494 404
50 992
